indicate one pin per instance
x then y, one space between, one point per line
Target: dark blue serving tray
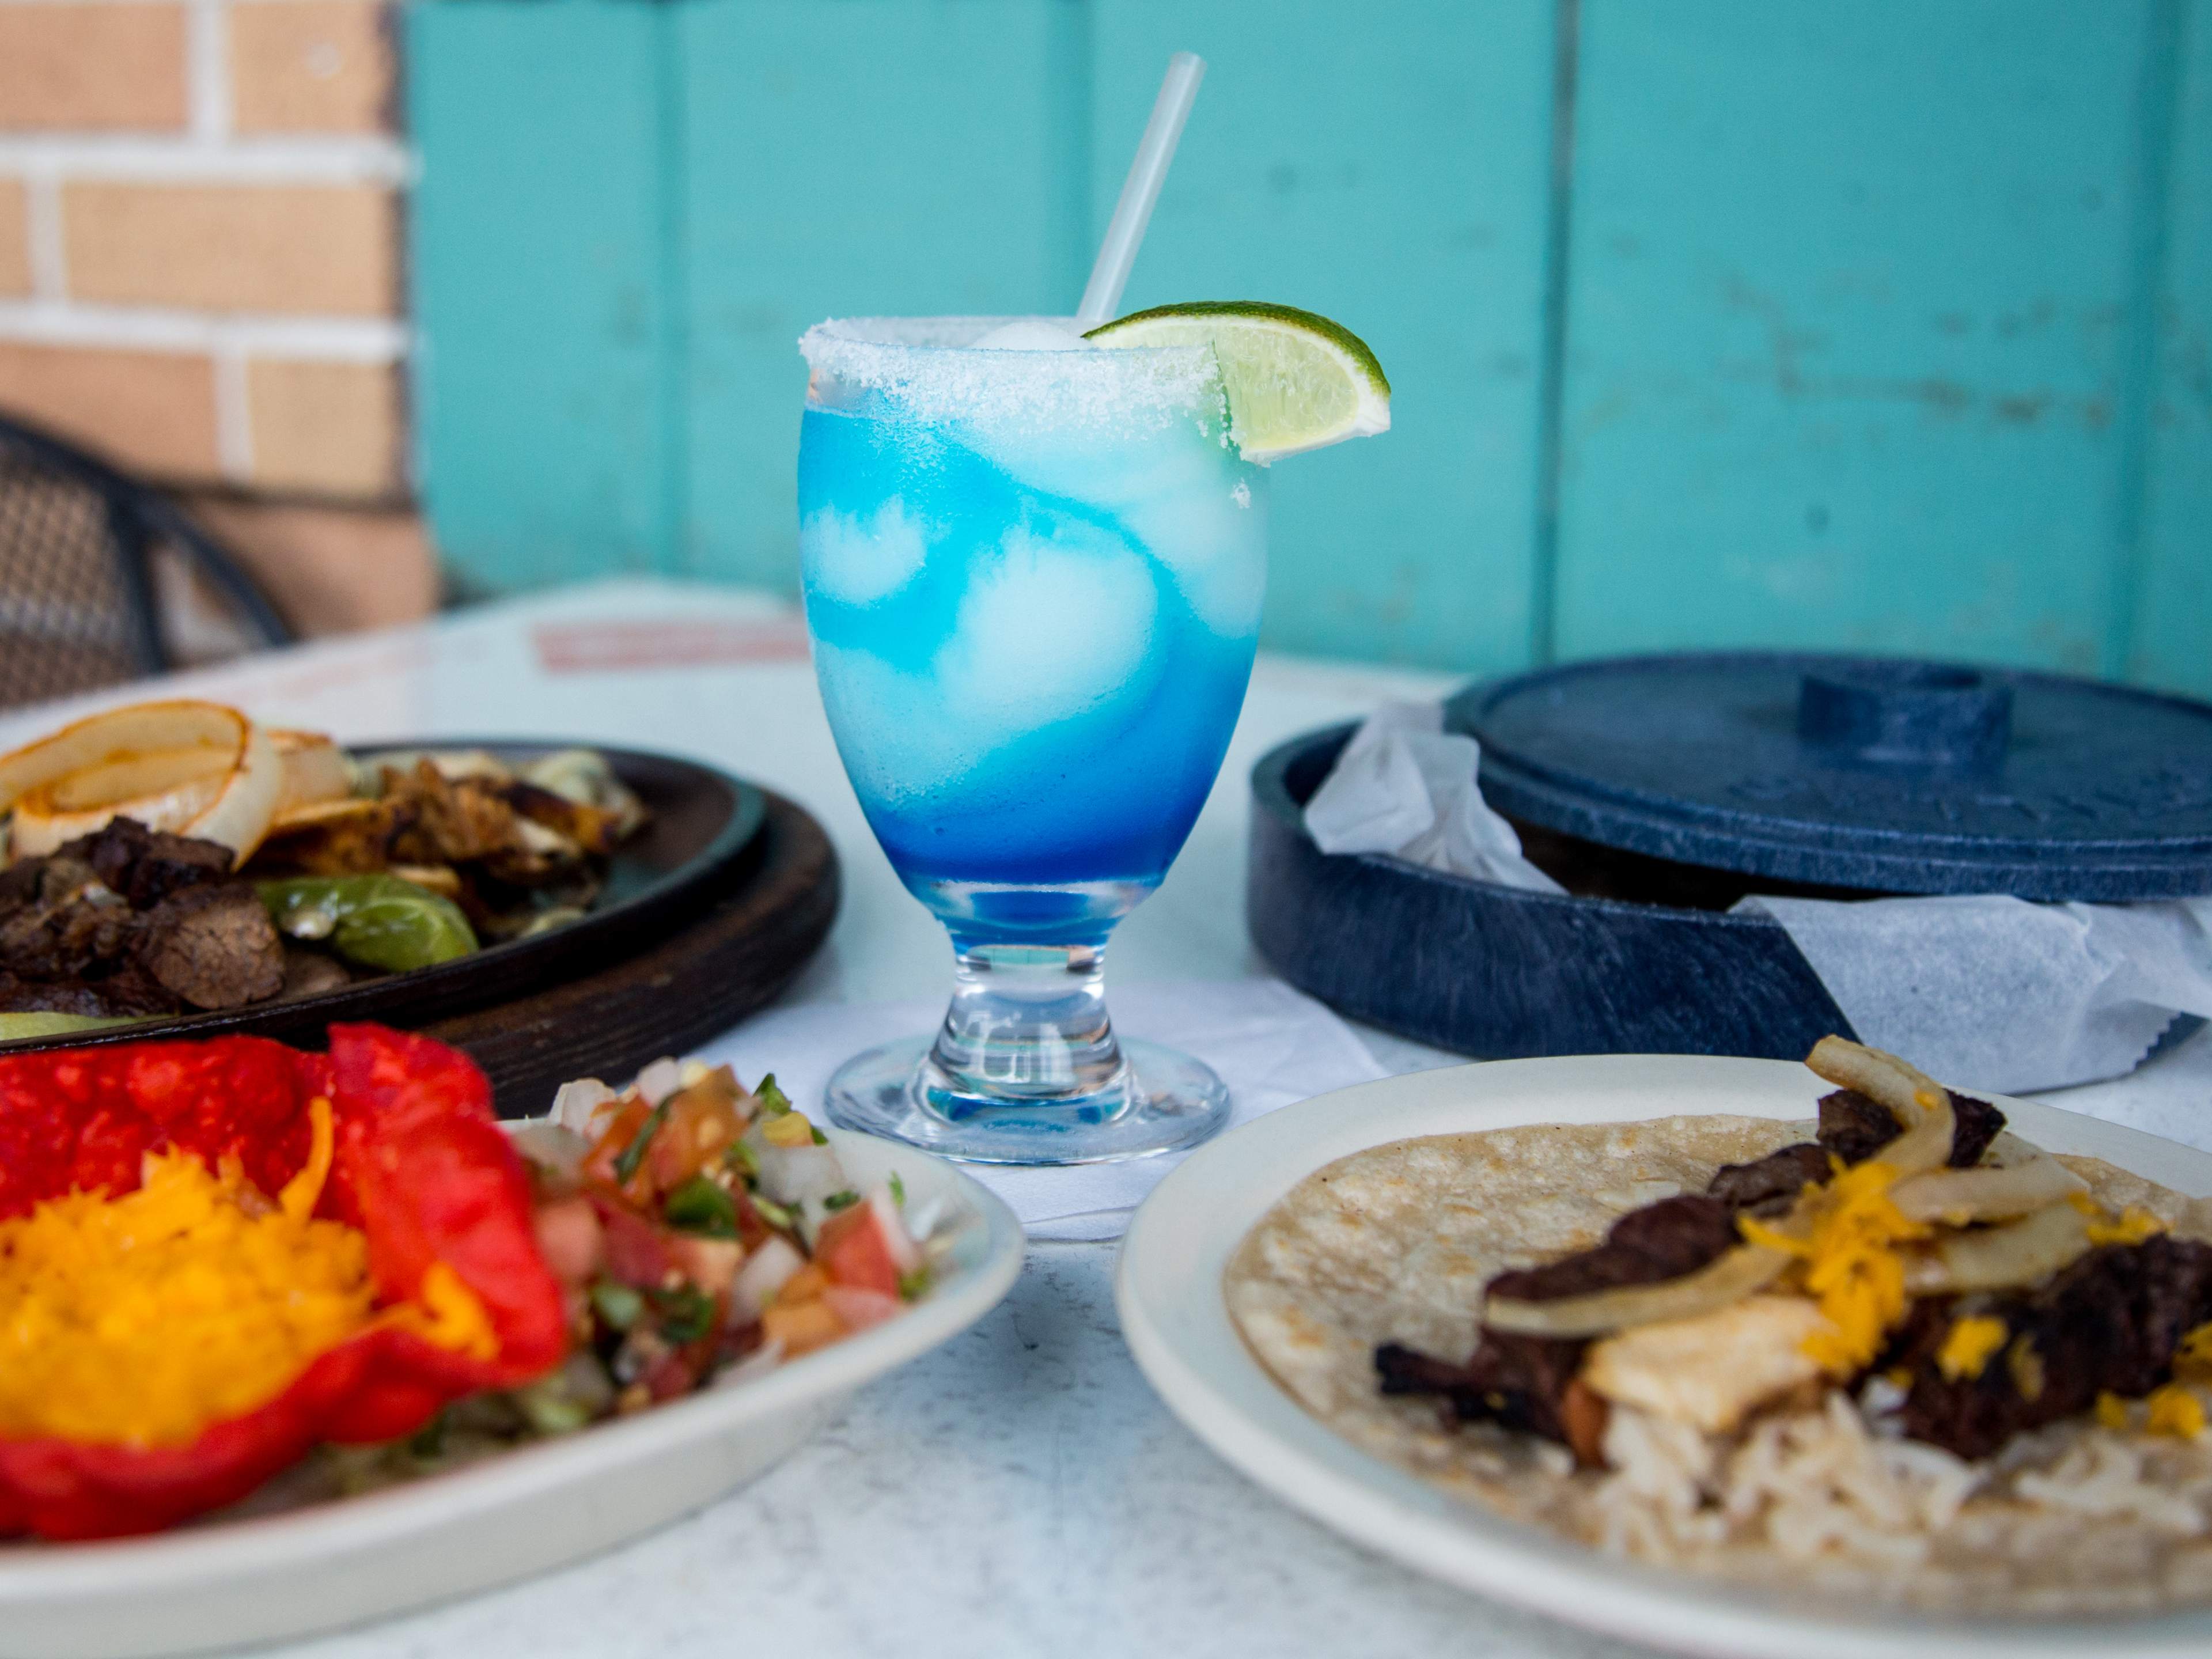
1501 973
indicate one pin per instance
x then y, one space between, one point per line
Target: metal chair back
79 606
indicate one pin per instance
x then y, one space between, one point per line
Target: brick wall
201 276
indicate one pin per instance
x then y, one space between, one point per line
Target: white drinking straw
1110 274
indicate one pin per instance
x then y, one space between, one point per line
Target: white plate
314 1568
1173 1314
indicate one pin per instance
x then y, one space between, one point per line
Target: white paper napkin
1271 1045
2001 994
2172 1096
1403 787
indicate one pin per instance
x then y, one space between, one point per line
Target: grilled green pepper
379 922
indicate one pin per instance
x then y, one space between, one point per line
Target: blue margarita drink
1033 573
1033 581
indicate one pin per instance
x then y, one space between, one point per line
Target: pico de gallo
694 1224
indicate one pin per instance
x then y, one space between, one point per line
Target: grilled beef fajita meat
1675 1236
129 921
2110 1323
1769 1185
143 867
1855 1129
1524 1381
1528 1381
214 945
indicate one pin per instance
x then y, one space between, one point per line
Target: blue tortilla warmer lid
1877 774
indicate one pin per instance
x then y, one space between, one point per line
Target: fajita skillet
704 839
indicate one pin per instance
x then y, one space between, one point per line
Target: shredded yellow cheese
141 1319
2174 1410
2192 1359
446 1311
301 1194
2134 1225
1850 1265
1969 1344
2171 1410
2025 1365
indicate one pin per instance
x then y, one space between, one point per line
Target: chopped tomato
647 1151
569 1237
676 1372
607 1159
852 1248
712 1264
698 1127
638 1253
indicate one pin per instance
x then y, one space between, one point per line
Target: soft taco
1899 1355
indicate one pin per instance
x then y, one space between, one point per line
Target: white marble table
1020 1492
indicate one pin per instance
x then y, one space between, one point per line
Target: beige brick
14 239
331 428
311 66
329 570
327 248
104 68
149 411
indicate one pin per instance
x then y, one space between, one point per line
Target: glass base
1155 1100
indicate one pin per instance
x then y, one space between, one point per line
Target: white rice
2075 1517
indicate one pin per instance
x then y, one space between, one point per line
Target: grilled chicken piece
1713 1371
336 838
591 828
583 776
470 820
454 820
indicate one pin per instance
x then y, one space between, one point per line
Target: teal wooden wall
1713 321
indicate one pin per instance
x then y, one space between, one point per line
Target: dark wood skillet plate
690 864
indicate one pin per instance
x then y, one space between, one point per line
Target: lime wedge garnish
1294 382
14 1027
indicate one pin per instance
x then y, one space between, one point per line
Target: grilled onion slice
316 770
212 773
1721 1282
1906 1089
2005 1258
1922 1105
165 790
1984 1194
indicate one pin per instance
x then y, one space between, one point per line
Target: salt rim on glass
927 365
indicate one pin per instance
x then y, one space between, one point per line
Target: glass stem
1029 1022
